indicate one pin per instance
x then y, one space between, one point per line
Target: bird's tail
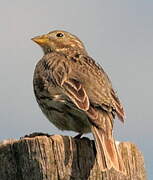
108 155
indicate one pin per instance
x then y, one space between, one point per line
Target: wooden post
63 158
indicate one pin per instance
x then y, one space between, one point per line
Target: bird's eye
59 34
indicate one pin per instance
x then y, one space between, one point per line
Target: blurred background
117 34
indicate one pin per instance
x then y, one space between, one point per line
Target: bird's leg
78 136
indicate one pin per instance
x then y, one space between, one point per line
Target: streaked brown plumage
76 94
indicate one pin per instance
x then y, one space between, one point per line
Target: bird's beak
41 40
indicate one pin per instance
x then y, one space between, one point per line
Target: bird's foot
35 134
78 136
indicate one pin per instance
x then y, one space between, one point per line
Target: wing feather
118 107
77 93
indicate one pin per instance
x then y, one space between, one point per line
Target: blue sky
117 34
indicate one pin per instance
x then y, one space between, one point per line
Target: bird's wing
58 68
106 99
76 93
118 106
79 97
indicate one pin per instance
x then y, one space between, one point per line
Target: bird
75 93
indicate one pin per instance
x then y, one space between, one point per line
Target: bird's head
59 41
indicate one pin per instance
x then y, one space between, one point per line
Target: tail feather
103 159
108 155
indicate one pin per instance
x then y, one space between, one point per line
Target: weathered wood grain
63 158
